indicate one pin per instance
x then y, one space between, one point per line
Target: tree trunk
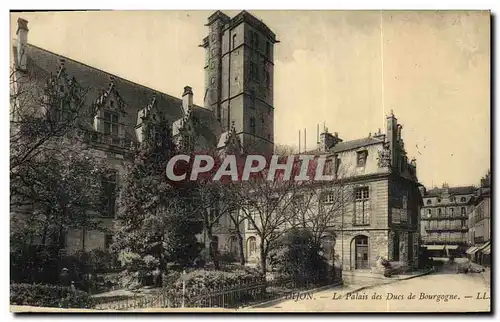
240 247
212 249
44 234
84 231
263 257
62 241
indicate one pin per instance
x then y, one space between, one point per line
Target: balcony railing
94 137
434 239
444 217
435 229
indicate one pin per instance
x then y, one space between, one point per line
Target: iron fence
225 296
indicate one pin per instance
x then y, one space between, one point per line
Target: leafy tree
297 256
55 192
157 217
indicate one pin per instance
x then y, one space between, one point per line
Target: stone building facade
239 75
115 112
380 218
445 215
480 217
479 235
380 213
238 103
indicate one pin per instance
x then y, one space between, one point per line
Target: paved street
394 296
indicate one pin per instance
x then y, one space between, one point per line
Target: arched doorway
361 252
214 245
233 245
251 247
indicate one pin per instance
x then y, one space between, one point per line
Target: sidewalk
353 281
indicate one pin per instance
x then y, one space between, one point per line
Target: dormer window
462 199
110 123
361 158
328 167
252 125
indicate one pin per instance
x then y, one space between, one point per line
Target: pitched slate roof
465 190
42 63
349 145
355 144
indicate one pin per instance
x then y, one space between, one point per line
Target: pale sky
431 68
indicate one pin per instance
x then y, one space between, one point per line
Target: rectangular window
213 215
362 206
251 71
251 225
252 99
268 49
110 123
462 211
298 200
404 210
328 167
361 158
328 197
252 125
109 193
255 40
268 80
234 41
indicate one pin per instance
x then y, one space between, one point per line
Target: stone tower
239 74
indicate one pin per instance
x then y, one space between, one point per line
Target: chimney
22 41
422 190
398 132
328 140
187 98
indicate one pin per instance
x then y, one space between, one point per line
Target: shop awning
480 249
434 247
451 247
471 250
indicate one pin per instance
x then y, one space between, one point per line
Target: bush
48 296
202 283
227 257
34 263
42 264
203 258
297 257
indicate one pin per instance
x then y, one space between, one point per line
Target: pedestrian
64 277
73 288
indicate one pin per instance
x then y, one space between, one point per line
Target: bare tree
266 205
44 108
218 199
320 205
